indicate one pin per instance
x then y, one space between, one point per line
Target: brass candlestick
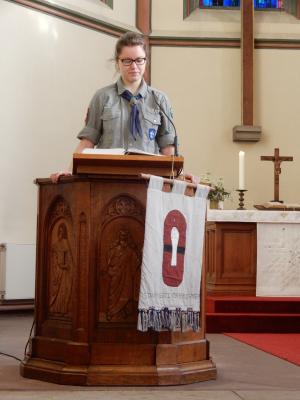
241 199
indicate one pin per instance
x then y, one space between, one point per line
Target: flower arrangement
218 192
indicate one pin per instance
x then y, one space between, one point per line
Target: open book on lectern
118 151
132 162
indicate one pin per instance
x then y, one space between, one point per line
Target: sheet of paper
114 151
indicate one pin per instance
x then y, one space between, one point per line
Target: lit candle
241 170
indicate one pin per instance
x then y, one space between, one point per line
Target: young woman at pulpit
129 113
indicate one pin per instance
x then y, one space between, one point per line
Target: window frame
290 6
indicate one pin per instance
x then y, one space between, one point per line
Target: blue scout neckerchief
135 125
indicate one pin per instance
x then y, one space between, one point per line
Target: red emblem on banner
174 248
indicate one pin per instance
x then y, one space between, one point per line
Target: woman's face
131 73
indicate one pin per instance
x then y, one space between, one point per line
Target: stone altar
277 263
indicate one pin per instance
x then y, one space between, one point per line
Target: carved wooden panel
120 239
230 258
60 261
90 239
237 254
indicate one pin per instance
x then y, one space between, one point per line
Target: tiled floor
243 373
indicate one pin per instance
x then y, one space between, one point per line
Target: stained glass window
258 4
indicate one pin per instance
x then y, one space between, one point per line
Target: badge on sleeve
151 133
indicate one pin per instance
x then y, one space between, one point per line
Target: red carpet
285 345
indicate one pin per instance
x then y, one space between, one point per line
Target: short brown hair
130 39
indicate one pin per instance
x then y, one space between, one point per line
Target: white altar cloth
278 248
287 217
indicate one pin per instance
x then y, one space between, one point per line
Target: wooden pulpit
89 250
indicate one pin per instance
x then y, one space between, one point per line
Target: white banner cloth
172 257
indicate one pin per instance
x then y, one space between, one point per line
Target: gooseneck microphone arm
170 120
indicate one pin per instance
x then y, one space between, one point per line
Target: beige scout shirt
108 119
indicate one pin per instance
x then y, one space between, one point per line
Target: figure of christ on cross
277 160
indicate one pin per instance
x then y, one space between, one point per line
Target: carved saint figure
123 263
61 271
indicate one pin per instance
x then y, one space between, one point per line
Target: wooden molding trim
143 23
247 46
244 133
189 6
283 44
167 41
193 42
109 3
223 42
72 16
143 16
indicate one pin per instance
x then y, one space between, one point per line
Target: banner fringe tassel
166 319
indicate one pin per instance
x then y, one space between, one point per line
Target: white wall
49 70
204 88
123 12
167 19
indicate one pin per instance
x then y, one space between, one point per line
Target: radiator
17 271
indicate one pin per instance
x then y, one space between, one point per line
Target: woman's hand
168 150
55 177
190 178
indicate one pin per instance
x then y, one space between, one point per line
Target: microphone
170 120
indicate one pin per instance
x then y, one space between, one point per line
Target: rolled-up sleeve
166 133
92 129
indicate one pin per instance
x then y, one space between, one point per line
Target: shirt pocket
150 123
111 125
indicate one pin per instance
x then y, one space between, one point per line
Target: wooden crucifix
277 160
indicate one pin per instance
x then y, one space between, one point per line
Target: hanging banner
172 257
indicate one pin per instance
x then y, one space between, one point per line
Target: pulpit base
112 375
90 240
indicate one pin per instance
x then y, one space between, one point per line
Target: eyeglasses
128 61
